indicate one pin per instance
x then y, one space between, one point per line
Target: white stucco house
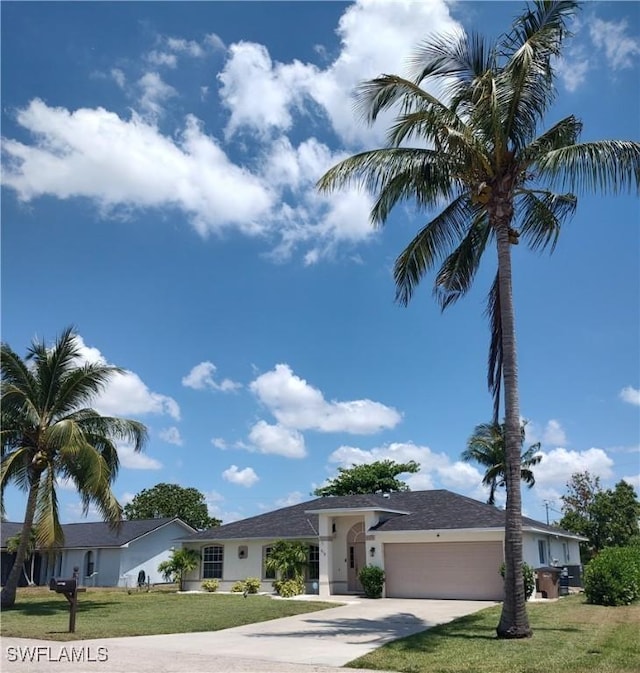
431 544
108 557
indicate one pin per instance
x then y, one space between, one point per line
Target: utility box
548 581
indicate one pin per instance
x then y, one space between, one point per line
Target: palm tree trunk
8 595
514 622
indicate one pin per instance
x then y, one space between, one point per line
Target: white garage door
463 570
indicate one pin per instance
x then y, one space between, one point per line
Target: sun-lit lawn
40 613
569 637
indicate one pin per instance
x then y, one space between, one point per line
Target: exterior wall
338 576
234 566
554 550
146 553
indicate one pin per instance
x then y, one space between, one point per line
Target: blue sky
159 162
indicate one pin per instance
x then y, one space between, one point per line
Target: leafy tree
582 489
288 559
12 547
49 432
182 561
480 150
165 500
486 447
609 518
380 475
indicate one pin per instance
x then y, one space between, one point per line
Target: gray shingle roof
97 534
425 510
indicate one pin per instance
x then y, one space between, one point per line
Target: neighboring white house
431 544
108 557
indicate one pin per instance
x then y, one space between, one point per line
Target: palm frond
395 174
606 165
81 384
458 270
564 133
429 245
528 78
541 215
47 520
456 59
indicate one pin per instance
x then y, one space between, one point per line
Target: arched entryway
356 558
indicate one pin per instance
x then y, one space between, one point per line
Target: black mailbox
63 586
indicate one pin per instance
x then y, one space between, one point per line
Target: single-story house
106 557
430 544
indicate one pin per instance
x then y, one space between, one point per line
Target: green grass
40 613
569 637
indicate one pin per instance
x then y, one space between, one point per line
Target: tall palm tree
49 432
480 150
487 447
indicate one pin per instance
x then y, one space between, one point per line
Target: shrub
613 577
529 579
372 580
210 585
288 588
252 585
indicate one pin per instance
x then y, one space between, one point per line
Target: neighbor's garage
462 570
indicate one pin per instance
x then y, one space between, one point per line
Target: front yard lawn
570 636
40 613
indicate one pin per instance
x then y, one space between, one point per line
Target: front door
356 558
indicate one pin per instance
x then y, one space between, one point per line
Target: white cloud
171 436
246 477
220 443
554 434
250 72
557 466
126 394
621 50
436 469
215 507
201 377
137 460
154 92
126 498
634 480
630 395
277 440
162 58
94 153
118 77
128 164
573 69
296 404
290 499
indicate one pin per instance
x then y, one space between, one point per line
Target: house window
212 560
565 552
542 554
314 562
267 574
89 565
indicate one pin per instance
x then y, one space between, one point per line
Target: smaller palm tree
13 543
182 561
288 559
487 447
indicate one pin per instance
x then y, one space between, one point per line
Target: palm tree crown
478 147
487 447
49 432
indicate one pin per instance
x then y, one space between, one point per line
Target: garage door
463 570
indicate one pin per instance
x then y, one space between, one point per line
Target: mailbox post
69 589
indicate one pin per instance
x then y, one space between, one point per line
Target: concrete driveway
313 642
